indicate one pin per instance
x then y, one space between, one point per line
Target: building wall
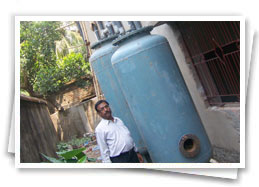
37 131
70 96
76 120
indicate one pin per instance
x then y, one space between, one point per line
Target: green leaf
70 154
82 160
91 159
71 161
80 155
51 159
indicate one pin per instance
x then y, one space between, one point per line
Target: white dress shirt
113 138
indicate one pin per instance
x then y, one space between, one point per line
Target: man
113 137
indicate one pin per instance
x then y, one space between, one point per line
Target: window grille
214 49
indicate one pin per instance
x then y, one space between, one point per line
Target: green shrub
73 156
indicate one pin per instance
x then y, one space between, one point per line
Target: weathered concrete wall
90 112
72 95
76 121
221 123
37 133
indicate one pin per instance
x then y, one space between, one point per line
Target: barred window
214 48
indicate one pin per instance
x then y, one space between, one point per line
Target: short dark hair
99 102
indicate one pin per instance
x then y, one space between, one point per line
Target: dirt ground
93 152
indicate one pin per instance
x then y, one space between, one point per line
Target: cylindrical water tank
101 64
159 99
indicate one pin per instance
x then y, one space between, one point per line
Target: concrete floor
225 156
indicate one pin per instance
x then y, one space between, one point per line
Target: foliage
74 142
78 141
53 160
91 159
62 146
73 66
72 156
72 43
50 79
24 92
42 72
37 47
67 154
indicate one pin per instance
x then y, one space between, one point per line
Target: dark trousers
127 157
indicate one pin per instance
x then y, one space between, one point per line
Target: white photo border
18 164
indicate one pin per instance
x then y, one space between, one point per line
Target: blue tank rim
97 44
130 34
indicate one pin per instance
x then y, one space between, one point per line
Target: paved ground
225 156
93 152
220 155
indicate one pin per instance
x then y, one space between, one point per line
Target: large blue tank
159 99
101 64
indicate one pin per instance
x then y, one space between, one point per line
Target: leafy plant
37 49
50 79
47 59
73 42
77 142
73 156
74 142
91 159
62 146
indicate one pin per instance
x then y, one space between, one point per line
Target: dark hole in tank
189 145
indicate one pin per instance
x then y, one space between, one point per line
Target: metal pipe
132 25
115 26
109 26
119 24
95 30
118 27
137 24
121 28
80 30
104 31
100 23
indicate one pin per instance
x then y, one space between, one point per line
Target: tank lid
97 44
130 34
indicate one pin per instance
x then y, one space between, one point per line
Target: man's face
104 111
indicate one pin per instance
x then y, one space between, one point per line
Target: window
214 49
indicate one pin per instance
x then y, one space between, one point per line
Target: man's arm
135 148
141 160
105 153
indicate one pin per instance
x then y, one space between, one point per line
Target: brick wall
70 96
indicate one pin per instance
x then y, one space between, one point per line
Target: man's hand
140 158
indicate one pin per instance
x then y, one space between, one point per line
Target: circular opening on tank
189 145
